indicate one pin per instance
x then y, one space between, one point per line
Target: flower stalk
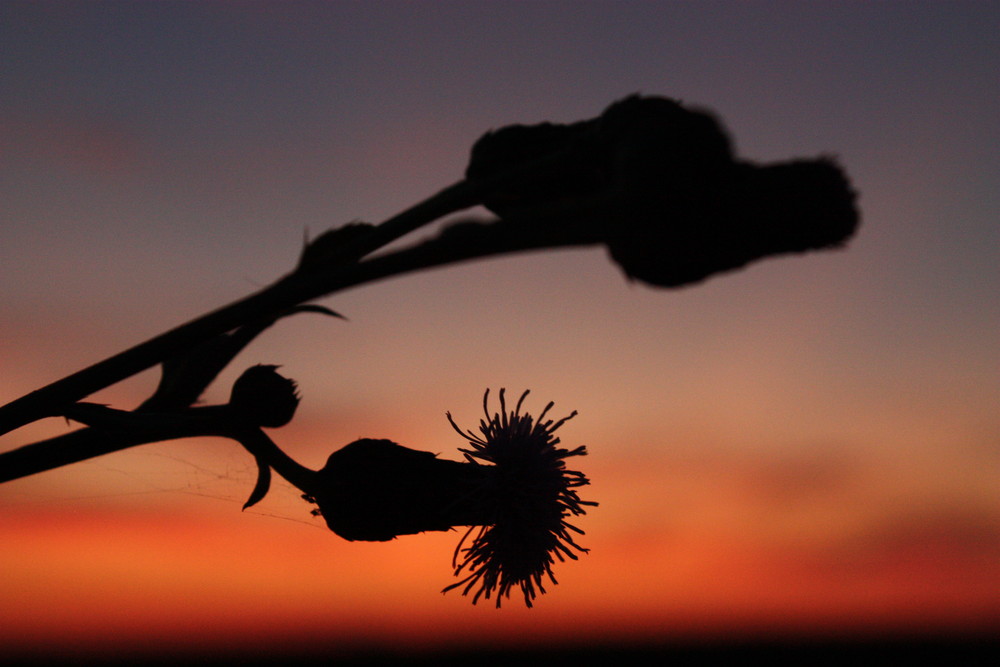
652 180
513 492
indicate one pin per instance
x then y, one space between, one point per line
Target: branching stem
286 292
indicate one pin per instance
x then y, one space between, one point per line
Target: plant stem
479 241
295 288
286 292
114 430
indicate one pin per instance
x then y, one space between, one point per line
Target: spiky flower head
530 494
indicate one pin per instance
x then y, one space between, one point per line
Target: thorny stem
298 287
289 291
293 289
478 241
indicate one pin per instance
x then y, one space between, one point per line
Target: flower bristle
531 494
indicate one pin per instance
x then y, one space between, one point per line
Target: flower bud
262 397
657 183
753 213
557 173
333 247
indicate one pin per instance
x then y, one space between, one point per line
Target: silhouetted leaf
313 308
186 376
263 484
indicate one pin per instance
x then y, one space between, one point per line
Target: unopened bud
263 397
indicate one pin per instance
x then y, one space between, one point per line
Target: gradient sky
811 445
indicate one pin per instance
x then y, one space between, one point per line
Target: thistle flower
530 495
517 505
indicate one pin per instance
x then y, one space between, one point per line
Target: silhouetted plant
650 179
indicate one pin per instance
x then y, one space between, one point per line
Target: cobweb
161 474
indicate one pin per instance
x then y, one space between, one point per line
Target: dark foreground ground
981 650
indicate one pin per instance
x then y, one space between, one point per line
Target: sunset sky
808 447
